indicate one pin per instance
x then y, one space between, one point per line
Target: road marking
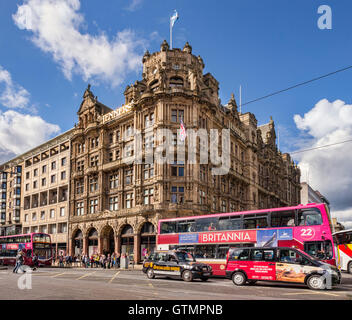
115 275
86 275
59 274
313 292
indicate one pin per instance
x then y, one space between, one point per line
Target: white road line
115 275
86 275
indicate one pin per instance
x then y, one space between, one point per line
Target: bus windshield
185 256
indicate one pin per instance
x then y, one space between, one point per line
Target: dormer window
176 82
154 85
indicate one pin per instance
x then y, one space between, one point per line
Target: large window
283 218
309 217
177 194
148 171
93 205
80 186
129 200
114 181
177 115
148 195
80 208
113 203
128 176
93 184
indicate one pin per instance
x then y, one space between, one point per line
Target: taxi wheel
239 278
204 278
316 282
150 274
187 276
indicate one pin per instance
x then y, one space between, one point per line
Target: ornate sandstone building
115 206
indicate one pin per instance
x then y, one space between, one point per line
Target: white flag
173 18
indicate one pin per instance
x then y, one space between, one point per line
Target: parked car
176 264
248 265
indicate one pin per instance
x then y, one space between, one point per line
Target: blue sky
263 45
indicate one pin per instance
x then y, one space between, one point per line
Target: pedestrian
108 260
61 261
35 261
19 260
118 260
91 260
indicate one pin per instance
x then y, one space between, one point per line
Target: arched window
148 228
176 82
127 230
93 233
78 235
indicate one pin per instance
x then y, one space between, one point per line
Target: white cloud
12 95
134 5
55 25
21 132
329 169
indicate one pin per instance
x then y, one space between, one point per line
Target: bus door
262 264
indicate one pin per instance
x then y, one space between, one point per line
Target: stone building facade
45 190
10 197
115 204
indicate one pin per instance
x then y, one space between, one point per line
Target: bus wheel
316 282
150 274
239 278
187 276
251 282
349 267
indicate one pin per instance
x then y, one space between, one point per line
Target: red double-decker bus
38 243
209 237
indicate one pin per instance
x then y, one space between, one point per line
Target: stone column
85 245
117 244
137 248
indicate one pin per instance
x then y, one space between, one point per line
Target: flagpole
241 99
170 35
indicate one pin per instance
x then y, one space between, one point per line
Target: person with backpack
35 261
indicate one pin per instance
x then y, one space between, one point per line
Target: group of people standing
101 260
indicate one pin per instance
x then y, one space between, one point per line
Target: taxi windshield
185 256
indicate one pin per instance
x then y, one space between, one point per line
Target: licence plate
206 274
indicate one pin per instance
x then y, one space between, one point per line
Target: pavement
111 284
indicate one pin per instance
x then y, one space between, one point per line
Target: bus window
261 221
185 226
309 217
206 224
249 222
168 227
222 252
282 219
224 223
236 223
206 251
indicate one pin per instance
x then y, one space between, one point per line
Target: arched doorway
92 241
78 243
127 240
148 239
108 240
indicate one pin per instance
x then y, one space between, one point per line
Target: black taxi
176 264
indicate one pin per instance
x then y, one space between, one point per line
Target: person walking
91 260
108 261
118 260
61 261
19 260
35 261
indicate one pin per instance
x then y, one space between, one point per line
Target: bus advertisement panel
209 237
32 243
